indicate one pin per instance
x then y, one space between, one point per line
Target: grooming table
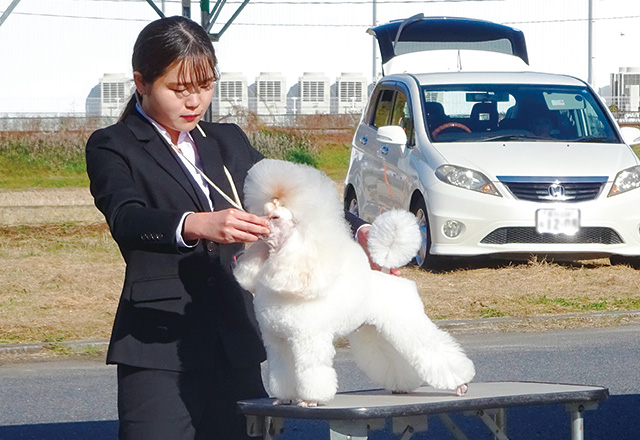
353 415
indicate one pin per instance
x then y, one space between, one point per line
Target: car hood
539 158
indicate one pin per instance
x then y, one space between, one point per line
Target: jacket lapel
163 154
213 164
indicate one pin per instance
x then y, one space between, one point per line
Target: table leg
577 419
348 430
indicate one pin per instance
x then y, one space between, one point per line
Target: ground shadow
101 430
616 418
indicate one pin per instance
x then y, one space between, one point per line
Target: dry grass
534 288
57 282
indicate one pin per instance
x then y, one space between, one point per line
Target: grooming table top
371 404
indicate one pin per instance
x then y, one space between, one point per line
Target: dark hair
168 41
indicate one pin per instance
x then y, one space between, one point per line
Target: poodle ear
249 264
294 269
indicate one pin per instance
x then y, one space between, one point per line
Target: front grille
596 235
567 189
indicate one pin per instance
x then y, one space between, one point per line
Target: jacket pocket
157 289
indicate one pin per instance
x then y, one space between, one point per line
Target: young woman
184 338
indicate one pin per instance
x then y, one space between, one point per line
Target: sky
54 52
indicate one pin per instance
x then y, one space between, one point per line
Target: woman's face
173 101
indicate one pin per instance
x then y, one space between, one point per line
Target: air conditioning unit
231 93
351 93
314 94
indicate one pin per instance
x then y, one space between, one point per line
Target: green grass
50 160
333 159
56 160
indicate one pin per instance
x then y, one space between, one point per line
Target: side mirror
631 135
392 135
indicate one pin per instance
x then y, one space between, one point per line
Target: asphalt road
76 399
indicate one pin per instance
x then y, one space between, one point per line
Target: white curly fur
394 238
312 283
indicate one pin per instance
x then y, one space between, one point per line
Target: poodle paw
307 404
461 390
282 402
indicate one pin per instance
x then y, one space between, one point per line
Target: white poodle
312 283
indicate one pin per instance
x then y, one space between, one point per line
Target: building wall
625 88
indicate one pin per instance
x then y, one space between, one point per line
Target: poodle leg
281 371
317 381
381 362
435 356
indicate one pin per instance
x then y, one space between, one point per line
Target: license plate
558 221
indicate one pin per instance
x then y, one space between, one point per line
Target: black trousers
169 405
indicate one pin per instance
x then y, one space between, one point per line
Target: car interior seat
484 116
435 114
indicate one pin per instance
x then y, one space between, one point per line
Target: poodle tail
394 238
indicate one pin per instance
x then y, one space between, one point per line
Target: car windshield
515 112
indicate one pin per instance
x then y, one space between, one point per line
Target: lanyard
235 203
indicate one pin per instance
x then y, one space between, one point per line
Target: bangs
196 71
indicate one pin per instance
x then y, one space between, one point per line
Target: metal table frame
353 415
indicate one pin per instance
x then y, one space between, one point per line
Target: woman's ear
141 84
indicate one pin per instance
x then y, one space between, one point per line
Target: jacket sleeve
133 223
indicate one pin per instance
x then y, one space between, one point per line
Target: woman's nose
192 100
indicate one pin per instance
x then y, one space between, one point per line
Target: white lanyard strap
235 203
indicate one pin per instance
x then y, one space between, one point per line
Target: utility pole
374 66
590 51
186 8
7 11
204 13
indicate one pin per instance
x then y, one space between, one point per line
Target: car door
394 182
371 161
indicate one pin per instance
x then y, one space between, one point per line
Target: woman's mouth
189 118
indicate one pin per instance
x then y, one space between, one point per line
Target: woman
183 338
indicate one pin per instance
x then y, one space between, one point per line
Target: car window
402 115
384 108
515 112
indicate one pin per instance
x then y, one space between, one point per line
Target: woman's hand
363 240
226 226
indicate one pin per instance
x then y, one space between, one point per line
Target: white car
492 158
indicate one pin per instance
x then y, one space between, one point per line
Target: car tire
625 260
351 202
424 259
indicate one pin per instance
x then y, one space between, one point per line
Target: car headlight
466 178
626 180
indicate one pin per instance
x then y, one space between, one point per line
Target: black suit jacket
179 306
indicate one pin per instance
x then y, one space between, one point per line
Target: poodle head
294 197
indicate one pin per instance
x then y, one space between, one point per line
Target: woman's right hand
226 226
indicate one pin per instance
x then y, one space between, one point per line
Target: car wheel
625 260
351 202
424 259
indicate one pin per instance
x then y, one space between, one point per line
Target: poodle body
313 283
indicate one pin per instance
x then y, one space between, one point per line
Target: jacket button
211 281
211 246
